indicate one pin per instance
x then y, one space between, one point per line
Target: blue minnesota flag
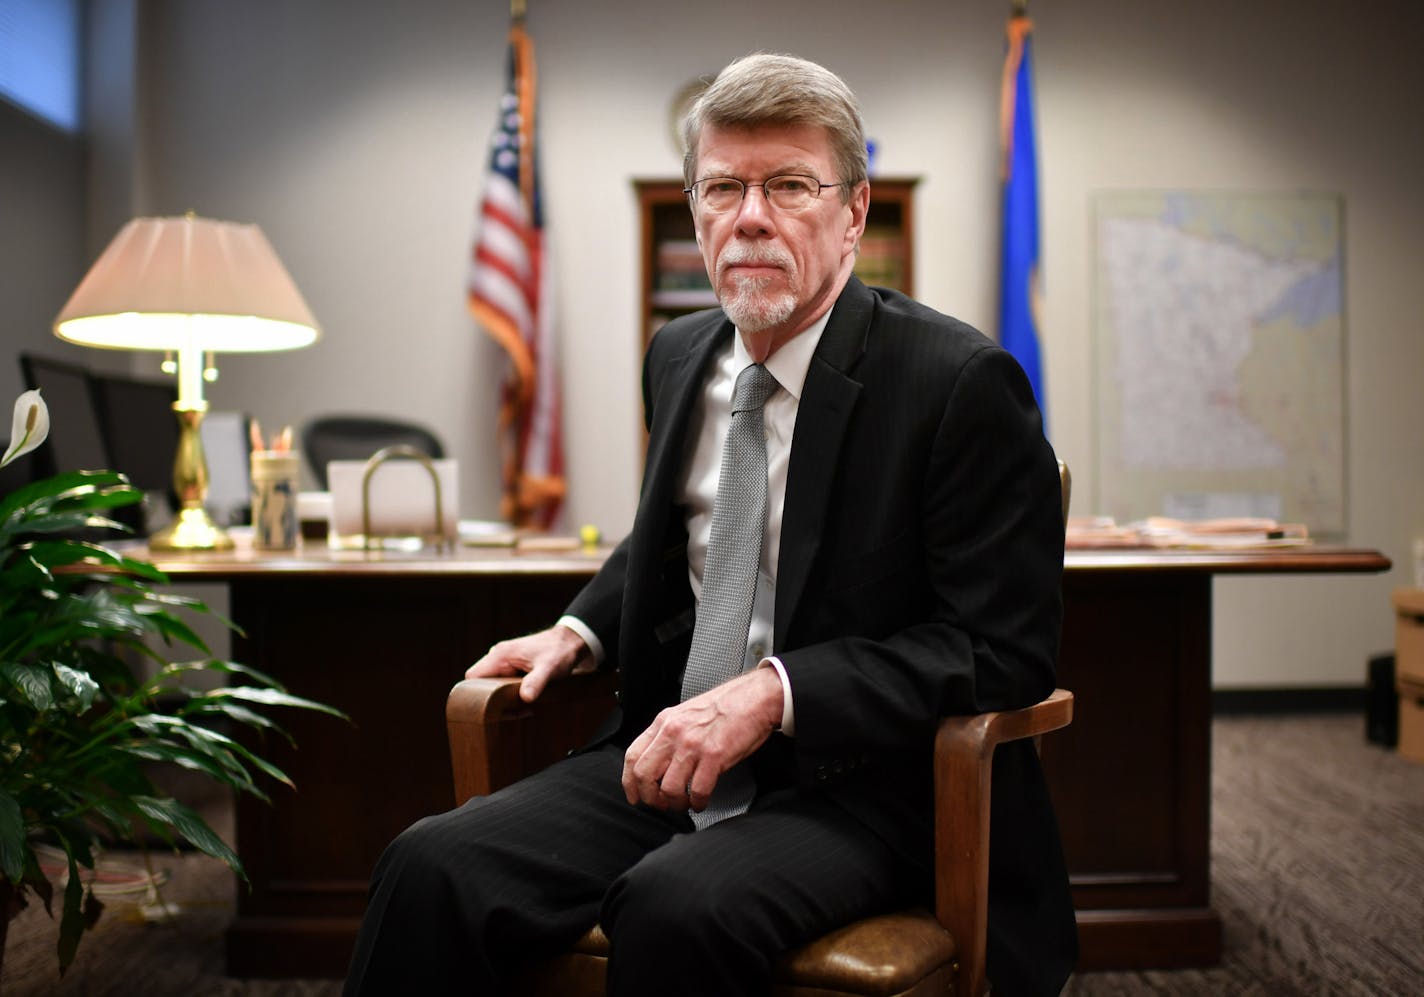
1019 292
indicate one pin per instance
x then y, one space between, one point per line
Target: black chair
76 435
140 429
82 430
357 437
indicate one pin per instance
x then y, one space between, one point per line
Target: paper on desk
402 497
1101 532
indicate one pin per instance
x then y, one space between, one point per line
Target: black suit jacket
919 575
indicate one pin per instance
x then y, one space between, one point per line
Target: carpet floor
1317 862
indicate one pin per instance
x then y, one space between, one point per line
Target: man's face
774 270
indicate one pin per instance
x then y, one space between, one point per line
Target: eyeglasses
792 192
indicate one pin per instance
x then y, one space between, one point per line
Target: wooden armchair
495 738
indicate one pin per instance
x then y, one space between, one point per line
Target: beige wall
354 133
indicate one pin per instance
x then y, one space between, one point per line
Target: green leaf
205 706
12 839
197 761
34 878
221 750
78 684
53 487
227 668
173 629
193 828
71 921
32 681
275 697
65 492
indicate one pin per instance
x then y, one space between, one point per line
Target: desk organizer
399 497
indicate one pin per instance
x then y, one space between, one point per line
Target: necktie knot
754 386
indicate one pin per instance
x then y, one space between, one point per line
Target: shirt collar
792 359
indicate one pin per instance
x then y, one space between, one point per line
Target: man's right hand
541 658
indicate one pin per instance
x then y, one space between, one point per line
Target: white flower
30 428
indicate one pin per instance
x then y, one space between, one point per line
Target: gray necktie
724 610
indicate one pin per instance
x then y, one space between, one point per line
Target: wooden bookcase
674 282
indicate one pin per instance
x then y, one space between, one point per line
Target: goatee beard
747 300
753 309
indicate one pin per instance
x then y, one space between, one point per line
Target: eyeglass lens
787 193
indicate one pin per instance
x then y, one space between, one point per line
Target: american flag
510 295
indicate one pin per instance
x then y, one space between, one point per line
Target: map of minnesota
1219 340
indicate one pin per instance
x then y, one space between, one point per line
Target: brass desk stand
442 540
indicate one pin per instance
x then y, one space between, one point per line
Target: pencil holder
274 499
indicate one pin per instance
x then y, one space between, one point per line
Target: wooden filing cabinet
1409 670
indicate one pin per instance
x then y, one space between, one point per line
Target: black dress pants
460 900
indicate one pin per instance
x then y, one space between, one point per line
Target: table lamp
190 287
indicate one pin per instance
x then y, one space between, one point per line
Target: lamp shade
188 283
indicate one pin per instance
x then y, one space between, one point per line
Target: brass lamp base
191 529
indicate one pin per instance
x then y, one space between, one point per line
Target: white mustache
758 254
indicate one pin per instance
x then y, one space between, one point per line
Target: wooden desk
384 638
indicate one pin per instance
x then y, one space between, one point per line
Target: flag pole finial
516 9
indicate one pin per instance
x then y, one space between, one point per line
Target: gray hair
773 89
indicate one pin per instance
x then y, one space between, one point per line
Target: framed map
1219 341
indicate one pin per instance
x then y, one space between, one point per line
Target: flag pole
516 9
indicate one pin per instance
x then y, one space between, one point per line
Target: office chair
496 738
139 428
357 437
76 436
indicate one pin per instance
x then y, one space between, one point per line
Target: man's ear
859 205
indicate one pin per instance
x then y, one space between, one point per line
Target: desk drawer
1409 634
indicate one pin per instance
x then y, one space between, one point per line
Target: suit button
821 774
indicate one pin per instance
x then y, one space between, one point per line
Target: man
910 551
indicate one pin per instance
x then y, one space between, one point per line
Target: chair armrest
964 755
496 738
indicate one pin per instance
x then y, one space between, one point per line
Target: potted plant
80 732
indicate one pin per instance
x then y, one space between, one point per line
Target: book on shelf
882 257
681 278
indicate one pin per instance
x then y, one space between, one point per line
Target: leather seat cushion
893 955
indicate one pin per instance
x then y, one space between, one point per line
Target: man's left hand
676 762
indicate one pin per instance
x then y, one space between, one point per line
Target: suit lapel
677 388
827 401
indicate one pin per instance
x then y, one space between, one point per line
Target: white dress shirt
697 487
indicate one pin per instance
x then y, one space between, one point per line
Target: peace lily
80 730
30 426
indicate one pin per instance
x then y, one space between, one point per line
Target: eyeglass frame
693 197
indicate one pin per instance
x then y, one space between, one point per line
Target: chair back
357 437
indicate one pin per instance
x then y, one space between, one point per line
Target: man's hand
541 658
676 762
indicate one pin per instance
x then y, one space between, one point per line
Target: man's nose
754 213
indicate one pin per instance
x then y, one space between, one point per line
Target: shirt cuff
788 709
595 646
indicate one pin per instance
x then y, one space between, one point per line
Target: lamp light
189 287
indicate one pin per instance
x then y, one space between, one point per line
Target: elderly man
849 526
